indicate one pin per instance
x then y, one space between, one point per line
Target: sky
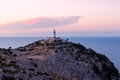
68 17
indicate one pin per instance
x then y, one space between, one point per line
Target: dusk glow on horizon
68 17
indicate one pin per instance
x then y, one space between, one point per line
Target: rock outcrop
55 60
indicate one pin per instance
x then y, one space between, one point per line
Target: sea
109 46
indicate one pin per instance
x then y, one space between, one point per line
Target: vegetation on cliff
55 60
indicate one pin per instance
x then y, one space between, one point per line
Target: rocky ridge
55 59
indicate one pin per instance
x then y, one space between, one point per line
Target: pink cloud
45 22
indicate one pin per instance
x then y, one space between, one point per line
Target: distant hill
55 59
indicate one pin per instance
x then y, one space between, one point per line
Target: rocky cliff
55 60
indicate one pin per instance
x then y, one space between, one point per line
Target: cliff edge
55 59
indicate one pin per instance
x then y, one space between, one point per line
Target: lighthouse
54 33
